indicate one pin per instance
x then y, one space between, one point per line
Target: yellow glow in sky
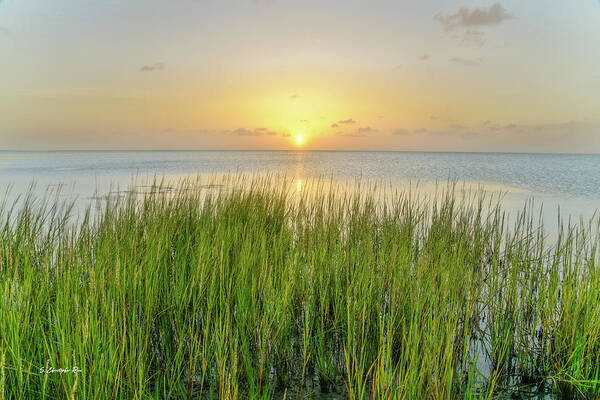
427 79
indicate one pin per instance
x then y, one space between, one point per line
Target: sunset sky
341 75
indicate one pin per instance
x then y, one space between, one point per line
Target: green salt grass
242 287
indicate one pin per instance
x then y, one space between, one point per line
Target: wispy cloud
467 61
366 129
244 132
152 67
347 121
172 131
233 132
467 18
447 132
353 134
249 132
334 125
422 131
547 136
265 131
360 132
497 127
473 37
294 96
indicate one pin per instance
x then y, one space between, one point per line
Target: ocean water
552 181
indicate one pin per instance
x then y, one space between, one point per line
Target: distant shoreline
290 151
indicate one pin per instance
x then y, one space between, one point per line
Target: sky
399 75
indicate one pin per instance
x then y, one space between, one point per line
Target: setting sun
299 140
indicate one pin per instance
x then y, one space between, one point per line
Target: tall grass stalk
241 288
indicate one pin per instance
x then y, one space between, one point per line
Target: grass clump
243 289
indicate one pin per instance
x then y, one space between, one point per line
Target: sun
299 140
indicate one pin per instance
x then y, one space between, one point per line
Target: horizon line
287 150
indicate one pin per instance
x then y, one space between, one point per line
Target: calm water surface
571 182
